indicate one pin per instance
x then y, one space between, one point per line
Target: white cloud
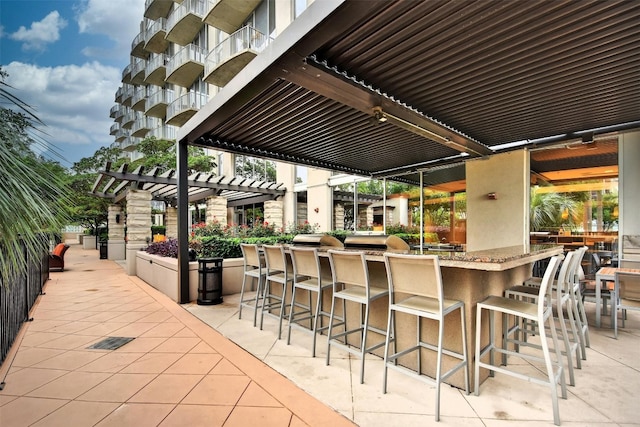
73 102
40 33
117 19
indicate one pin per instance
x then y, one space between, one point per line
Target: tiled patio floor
177 370
199 365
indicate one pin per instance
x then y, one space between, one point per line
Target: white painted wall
505 221
628 182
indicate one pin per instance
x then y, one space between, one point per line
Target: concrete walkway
176 371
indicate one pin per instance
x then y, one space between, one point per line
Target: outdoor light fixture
379 115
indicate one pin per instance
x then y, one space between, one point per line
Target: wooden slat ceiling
470 78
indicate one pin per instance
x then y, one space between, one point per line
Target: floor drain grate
111 343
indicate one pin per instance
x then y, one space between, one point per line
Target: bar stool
539 313
307 277
277 271
561 291
351 283
415 288
254 268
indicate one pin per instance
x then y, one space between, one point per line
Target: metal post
183 221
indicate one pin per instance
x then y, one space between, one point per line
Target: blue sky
65 58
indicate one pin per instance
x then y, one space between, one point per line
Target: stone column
369 214
171 222
274 213
138 225
338 215
216 210
116 224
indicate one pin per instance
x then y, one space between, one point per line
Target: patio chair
626 296
540 313
56 257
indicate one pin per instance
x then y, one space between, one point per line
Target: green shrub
158 229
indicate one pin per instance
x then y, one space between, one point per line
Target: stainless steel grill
378 242
317 240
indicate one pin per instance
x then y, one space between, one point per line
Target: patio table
607 274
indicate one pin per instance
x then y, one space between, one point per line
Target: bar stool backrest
414 274
349 268
546 287
275 257
305 262
565 279
251 256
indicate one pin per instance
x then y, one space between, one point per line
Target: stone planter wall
162 274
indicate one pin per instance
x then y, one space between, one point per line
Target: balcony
186 65
158 102
113 111
185 21
121 135
231 55
127 94
119 94
155 9
139 99
122 110
166 132
129 143
138 71
137 46
130 118
114 128
229 15
155 40
183 108
126 74
143 125
156 70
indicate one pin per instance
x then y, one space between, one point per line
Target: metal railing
18 295
245 39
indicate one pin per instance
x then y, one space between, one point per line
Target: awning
381 88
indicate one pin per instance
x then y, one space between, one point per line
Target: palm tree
31 192
551 210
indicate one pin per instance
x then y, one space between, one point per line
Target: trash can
209 281
103 249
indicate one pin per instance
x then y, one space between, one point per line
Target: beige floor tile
297 422
140 345
24 411
35 339
70 386
184 333
118 388
255 395
224 367
70 360
101 329
137 414
203 347
77 414
166 329
69 342
111 362
29 379
177 345
197 415
209 390
102 316
264 417
152 363
131 316
4 399
30 356
198 363
133 330
167 388
156 317
44 324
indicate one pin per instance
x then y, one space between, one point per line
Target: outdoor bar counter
467 276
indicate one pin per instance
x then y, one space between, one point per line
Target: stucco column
273 213
138 225
216 210
116 224
171 222
319 199
502 220
286 174
628 178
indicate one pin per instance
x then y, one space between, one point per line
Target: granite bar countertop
490 260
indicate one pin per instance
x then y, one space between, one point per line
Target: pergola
114 184
412 90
